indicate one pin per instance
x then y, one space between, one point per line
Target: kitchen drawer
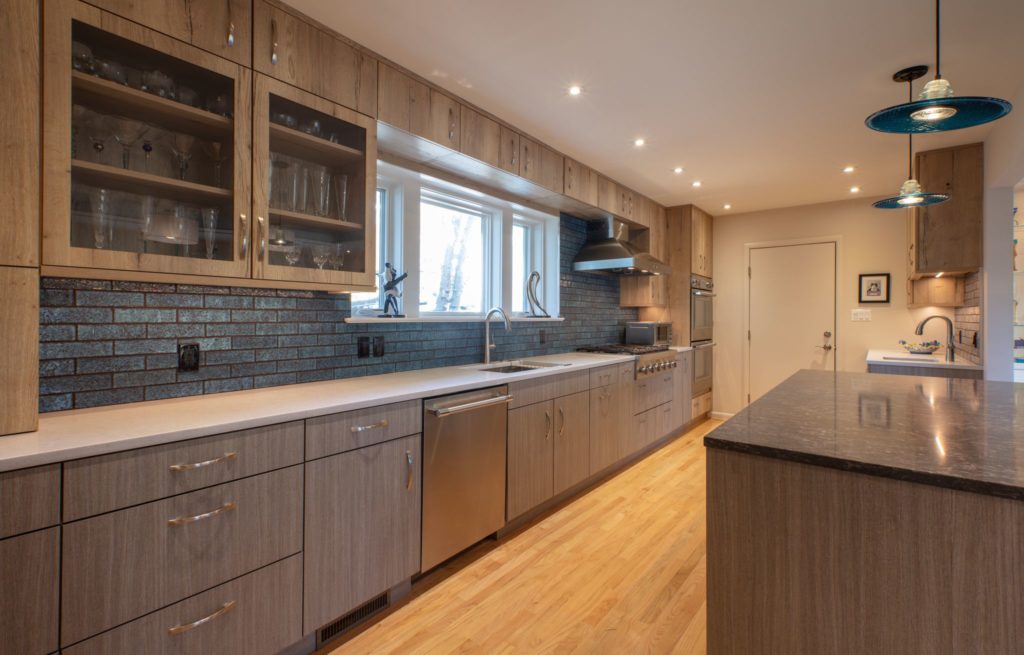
702 404
338 433
108 482
29 499
28 592
665 387
538 390
120 565
642 432
664 420
258 613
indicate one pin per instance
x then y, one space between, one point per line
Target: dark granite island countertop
960 434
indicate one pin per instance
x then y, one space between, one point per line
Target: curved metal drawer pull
198 465
408 462
185 520
185 627
383 423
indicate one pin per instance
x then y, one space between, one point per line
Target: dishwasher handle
467 407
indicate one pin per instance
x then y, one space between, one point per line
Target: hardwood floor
619 570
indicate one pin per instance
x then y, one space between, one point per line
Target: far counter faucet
488 346
949 333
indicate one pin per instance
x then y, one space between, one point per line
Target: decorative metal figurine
391 293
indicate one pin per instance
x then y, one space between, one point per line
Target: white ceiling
764 102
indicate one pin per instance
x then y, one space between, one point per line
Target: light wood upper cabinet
643 291
572 440
299 53
701 242
541 164
167 195
607 194
19 351
362 527
480 137
509 150
223 27
581 182
402 101
947 237
530 457
315 179
445 120
19 135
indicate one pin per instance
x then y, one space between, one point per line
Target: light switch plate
860 315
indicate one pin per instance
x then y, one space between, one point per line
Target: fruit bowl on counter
923 348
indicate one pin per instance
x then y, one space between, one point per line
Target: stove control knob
643 369
661 365
675 364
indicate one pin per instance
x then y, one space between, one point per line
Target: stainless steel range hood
609 251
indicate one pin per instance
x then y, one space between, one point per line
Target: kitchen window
464 251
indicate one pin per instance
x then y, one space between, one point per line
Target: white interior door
792 313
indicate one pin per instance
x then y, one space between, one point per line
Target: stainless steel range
649 360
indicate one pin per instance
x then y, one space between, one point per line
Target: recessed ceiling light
639 142
678 170
575 90
696 184
727 206
849 169
855 189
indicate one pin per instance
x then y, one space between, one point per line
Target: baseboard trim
722 416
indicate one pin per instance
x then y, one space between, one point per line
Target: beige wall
872 241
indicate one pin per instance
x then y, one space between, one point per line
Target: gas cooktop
623 349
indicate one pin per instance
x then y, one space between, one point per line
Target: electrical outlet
363 347
860 315
543 337
188 357
378 346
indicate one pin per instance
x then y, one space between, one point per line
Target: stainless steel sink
511 368
517 366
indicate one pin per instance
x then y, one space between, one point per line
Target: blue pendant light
911 194
937 109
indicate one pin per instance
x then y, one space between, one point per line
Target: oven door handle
705 345
706 294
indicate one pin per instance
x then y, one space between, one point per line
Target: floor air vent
356 616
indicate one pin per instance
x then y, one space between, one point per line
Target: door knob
828 334
826 347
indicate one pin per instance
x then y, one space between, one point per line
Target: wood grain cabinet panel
682 389
402 101
608 195
605 427
948 235
223 27
537 390
257 614
572 440
701 242
541 164
580 182
338 433
445 120
313 60
29 499
362 527
530 457
29 569
508 152
480 137
19 135
19 350
120 565
642 432
109 482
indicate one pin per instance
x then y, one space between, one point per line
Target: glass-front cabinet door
314 181
147 142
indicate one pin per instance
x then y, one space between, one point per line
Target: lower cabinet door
605 428
530 457
255 614
362 527
644 425
29 592
572 440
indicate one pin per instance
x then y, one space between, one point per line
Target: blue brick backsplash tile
104 343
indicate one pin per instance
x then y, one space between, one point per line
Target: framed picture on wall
874 288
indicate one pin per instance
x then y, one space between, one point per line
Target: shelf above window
110 177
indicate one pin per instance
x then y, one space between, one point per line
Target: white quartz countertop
903 358
80 433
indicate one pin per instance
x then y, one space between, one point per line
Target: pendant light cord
938 39
910 135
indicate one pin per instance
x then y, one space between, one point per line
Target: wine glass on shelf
182 148
218 154
102 228
293 254
340 253
321 255
339 189
210 215
320 185
127 132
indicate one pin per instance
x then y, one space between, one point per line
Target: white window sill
450 319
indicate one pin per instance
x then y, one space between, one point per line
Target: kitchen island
860 513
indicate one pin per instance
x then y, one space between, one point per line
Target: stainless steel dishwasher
464 442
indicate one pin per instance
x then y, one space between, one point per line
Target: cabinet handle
451 124
245 235
408 468
185 627
198 465
547 425
231 26
363 428
526 158
273 41
561 416
185 520
263 236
